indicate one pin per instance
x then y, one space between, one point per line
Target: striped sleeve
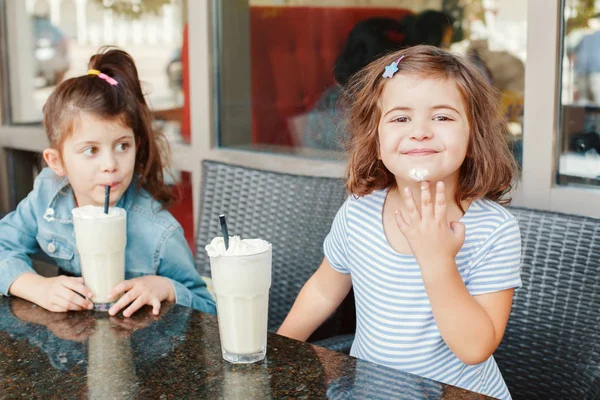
498 264
335 246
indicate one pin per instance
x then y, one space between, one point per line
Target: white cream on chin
419 174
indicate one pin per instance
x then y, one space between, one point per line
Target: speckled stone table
177 355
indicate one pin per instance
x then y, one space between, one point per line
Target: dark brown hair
124 102
489 169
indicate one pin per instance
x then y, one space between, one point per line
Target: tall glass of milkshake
101 240
241 278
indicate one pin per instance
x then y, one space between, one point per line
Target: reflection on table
177 354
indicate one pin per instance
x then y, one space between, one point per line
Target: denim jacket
155 240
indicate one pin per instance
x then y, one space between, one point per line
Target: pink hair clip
391 69
103 76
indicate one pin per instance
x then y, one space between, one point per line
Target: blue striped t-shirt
394 320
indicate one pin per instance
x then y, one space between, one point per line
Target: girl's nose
109 163
421 132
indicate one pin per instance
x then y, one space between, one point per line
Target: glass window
276 85
579 140
52 40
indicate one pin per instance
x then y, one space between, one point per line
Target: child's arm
317 300
472 326
176 280
18 232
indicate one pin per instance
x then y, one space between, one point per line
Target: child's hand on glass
63 293
428 232
145 290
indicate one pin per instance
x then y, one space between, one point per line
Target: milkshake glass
241 278
101 240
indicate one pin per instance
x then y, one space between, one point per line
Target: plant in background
580 11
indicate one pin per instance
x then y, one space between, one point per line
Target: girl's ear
54 161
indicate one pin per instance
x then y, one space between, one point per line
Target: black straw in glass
224 231
106 198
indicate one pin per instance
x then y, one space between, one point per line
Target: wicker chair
551 348
292 212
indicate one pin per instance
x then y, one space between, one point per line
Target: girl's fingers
155 306
426 206
137 304
76 285
60 304
127 298
400 221
74 300
459 230
440 202
413 212
122 287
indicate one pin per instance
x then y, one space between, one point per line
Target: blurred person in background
587 64
430 27
368 40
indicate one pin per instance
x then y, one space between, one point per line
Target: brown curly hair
124 102
489 169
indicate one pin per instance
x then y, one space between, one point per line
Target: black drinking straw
224 231
106 198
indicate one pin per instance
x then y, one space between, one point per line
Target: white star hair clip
391 69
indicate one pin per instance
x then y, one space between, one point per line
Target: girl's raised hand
145 290
427 232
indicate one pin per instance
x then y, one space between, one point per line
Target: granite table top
177 354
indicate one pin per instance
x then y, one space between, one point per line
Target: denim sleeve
18 231
177 264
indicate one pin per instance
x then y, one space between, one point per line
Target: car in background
51 51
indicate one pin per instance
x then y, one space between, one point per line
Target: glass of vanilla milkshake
101 240
241 276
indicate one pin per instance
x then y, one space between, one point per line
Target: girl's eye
122 146
442 118
401 119
90 151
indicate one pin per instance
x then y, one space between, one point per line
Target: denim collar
62 201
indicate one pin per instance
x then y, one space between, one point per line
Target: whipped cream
95 212
418 174
237 247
